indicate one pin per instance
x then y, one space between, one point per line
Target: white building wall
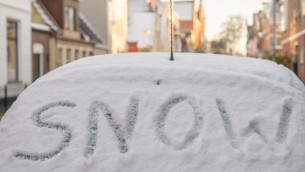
19 10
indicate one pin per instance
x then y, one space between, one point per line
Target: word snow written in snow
124 132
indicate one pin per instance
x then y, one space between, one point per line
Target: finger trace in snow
142 112
227 122
254 125
122 134
60 127
282 131
161 119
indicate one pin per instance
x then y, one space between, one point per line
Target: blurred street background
38 36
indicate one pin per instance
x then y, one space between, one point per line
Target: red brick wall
290 49
186 25
55 8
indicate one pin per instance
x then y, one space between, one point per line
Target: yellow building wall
36 17
62 48
118 23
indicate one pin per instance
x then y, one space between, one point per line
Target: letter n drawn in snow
161 117
123 134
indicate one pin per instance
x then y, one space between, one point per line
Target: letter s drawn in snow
57 126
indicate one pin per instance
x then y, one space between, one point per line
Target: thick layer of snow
142 112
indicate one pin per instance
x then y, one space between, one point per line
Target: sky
217 11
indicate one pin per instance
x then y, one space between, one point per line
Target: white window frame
70 20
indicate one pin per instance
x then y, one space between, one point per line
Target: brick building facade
293 38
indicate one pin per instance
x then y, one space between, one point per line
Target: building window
91 53
59 57
12 51
84 54
37 61
69 58
76 54
70 18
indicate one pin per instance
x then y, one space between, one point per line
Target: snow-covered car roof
142 112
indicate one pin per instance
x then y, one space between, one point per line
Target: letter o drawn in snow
162 116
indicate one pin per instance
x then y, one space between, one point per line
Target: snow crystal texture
142 112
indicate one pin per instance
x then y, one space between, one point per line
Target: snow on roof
45 16
41 27
142 112
90 27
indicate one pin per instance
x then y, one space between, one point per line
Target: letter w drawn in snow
253 127
123 134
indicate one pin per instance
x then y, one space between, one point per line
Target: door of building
37 61
36 66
